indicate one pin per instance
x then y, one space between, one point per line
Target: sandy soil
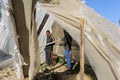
62 74
86 77
9 74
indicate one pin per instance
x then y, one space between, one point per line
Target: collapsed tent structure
102 42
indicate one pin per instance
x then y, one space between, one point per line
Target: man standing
49 48
67 40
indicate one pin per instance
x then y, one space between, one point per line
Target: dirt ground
63 75
59 70
8 74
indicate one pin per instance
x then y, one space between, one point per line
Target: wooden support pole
22 31
22 14
81 49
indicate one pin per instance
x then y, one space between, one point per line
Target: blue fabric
67 55
48 57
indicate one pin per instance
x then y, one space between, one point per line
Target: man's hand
60 44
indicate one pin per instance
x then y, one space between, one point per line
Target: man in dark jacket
67 40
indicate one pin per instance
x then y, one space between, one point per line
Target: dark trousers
48 57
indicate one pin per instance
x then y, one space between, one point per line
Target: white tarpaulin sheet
102 38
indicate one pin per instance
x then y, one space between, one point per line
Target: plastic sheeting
102 42
19 62
6 38
102 38
13 30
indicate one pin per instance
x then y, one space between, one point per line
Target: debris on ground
57 72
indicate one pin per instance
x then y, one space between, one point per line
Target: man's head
48 33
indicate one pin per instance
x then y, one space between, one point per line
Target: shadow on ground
65 75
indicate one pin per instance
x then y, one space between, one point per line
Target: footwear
69 69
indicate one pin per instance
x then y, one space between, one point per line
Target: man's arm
53 39
64 42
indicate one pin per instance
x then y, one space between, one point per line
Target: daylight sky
109 9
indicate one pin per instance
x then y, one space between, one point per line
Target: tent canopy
102 42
